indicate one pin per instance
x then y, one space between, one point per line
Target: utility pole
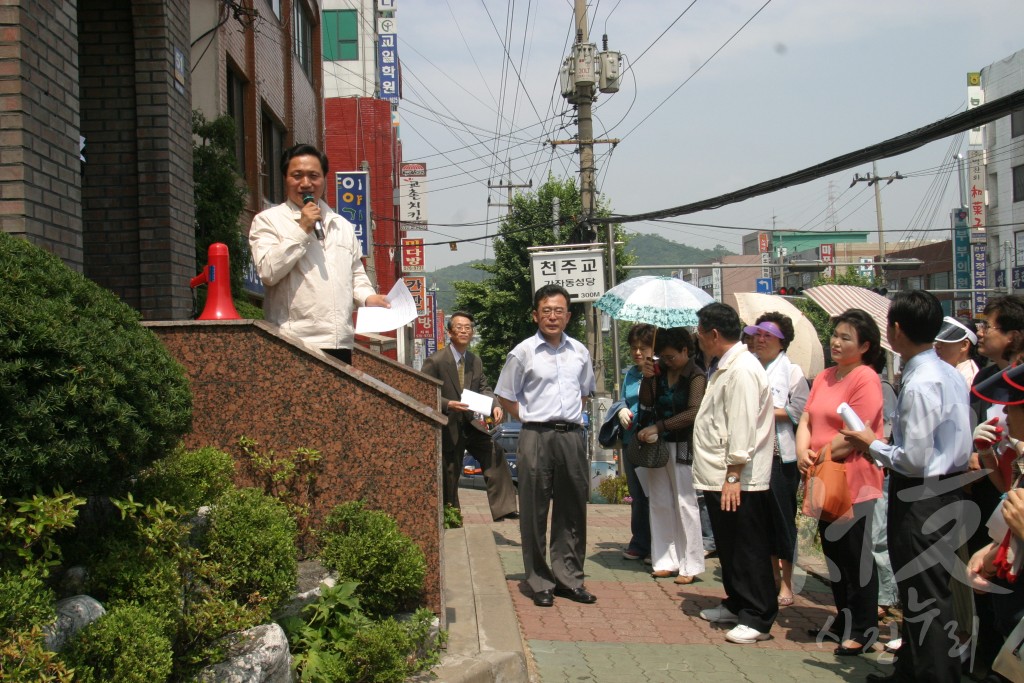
585 72
502 185
873 179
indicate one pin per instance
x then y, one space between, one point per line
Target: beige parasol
805 350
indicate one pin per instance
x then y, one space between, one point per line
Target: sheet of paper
377 319
478 403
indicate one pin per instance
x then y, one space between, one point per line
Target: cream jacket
310 288
734 425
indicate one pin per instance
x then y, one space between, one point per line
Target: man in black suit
458 369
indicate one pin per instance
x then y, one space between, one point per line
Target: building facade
1004 171
259 61
112 75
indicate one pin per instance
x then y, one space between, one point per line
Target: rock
259 655
73 581
73 614
312 578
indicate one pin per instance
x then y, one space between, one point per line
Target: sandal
785 601
662 573
684 580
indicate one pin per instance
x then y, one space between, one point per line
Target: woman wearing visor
771 335
955 344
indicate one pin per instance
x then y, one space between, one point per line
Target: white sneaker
893 645
719 615
745 634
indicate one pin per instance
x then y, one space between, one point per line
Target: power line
892 147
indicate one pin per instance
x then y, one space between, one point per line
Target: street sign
765 285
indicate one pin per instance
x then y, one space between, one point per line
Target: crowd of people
935 525
935 512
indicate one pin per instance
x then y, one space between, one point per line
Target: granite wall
379 444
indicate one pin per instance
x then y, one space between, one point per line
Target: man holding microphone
310 260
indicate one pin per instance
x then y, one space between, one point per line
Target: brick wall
103 69
359 129
40 196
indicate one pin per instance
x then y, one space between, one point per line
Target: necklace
841 377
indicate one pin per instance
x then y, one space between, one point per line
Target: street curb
484 643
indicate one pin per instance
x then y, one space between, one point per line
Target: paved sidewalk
649 629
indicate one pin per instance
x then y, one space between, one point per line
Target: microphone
318 227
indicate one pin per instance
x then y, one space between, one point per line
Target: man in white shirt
543 385
931 442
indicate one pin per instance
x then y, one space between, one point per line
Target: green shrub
367 546
614 489
290 479
253 537
25 659
452 517
126 645
25 601
187 479
150 561
87 395
333 642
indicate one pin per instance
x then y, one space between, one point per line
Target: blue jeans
640 513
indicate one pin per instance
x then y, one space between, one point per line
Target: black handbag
652 455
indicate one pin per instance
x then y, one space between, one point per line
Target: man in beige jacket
311 283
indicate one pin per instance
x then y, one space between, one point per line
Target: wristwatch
732 479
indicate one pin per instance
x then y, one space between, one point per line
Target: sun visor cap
953 330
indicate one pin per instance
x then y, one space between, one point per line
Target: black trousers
744 541
920 561
853 574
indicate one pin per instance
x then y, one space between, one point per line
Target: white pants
676 541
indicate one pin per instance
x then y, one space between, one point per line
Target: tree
219 195
502 302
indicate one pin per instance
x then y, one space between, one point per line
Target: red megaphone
217 274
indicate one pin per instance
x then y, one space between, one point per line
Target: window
1018 183
301 36
273 147
1017 123
340 35
236 110
939 280
275 5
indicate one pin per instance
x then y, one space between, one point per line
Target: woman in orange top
857 351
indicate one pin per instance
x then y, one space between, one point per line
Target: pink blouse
862 390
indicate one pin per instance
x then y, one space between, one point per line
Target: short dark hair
1009 312
725 319
918 313
867 331
785 326
548 291
678 338
641 332
460 314
302 150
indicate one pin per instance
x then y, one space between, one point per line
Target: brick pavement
649 629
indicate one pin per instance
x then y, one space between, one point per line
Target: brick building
113 72
260 62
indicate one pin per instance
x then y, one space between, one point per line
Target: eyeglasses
462 328
985 325
553 311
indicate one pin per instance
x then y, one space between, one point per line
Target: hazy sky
802 82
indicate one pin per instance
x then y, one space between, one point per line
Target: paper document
478 403
377 319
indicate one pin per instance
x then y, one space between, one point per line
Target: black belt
557 426
921 480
